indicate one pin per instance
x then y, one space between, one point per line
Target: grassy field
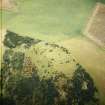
45 19
60 21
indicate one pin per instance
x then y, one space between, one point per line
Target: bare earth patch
6 4
95 29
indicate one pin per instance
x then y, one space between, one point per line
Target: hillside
25 58
46 59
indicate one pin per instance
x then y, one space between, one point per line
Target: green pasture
63 22
49 19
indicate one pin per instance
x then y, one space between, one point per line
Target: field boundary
89 25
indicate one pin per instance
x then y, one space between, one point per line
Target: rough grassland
91 57
58 20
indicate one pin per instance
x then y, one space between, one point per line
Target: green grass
59 20
40 18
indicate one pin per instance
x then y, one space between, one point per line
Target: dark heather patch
14 60
26 90
13 40
82 89
17 60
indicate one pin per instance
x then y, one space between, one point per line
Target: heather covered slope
50 41
50 70
90 56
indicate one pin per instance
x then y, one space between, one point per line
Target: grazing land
50 36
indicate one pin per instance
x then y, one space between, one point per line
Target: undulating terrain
46 58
